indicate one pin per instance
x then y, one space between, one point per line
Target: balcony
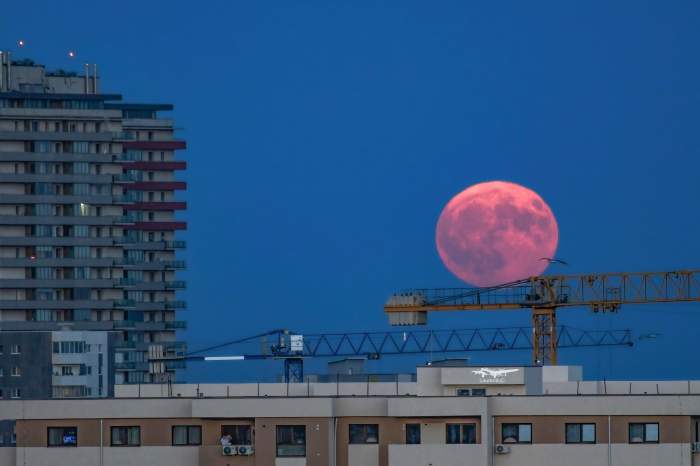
174 264
124 303
176 244
127 281
176 325
121 324
126 177
175 365
176 285
175 305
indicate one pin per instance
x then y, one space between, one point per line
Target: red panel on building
155 145
176 165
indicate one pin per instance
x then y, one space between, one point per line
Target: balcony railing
127 281
127 177
176 324
124 303
174 264
175 305
176 244
177 284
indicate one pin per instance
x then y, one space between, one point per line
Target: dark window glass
187 435
412 434
644 432
364 433
516 433
239 434
291 441
580 433
62 437
126 436
461 433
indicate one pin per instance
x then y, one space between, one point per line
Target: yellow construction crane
604 292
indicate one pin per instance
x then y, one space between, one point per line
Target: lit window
62 437
16 371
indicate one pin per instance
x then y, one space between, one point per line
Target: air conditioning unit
695 446
245 450
237 450
229 450
502 449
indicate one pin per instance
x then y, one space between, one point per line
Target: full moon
496 232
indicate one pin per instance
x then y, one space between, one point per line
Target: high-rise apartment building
88 221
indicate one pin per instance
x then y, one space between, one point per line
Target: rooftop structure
448 416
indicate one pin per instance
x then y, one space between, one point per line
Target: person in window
226 440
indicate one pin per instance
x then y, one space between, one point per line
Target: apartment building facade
468 423
88 222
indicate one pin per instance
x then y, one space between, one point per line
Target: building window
471 392
364 433
291 441
16 393
126 436
516 433
580 433
16 371
644 432
62 437
1 372
412 434
187 435
461 433
15 349
236 435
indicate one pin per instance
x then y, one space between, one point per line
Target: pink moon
496 232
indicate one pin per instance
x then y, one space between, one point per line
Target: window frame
235 427
461 426
111 436
412 425
277 443
188 442
518 441
63 445
580 433
364 432
644 432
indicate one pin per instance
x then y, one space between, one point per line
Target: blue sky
325 137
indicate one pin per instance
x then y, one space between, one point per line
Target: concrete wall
595 455
111 456
363 455
34 362
437 455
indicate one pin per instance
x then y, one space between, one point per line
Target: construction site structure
603 292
